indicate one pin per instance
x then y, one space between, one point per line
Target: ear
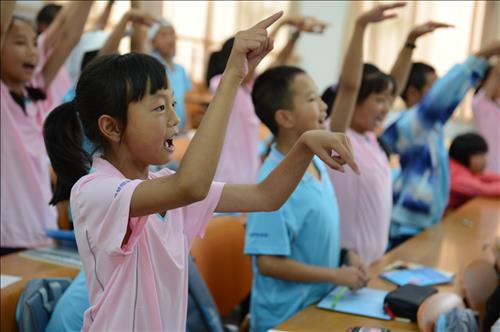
110 128
284 118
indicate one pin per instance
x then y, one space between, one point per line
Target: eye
174 103
160 108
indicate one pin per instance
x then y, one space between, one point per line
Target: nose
322 105
173 120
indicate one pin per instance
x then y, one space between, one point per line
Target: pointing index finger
267 22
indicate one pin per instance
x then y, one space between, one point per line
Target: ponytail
63 137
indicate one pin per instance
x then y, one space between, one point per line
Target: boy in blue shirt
297 255
420 191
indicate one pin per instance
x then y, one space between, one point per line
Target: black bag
405 300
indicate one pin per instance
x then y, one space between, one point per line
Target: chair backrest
435 305
479 280
220 260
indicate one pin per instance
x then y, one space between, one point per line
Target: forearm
401 69
113 41
276 188
139 38
7 9
350 81
206 146
101 22
291 270
469 187
287 50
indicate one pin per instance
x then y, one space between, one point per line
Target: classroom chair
220 260
479 280
435 305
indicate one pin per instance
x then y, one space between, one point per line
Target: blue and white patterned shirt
420 191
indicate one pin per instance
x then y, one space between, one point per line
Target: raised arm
136 16
352 68
102 20
275 189
190 184
492 82
7 9
301 24
401 68
71 31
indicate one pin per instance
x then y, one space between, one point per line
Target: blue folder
364 302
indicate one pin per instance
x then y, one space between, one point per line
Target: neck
285 141
358 130
14 85
130 169
168 60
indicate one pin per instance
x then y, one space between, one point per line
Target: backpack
37 302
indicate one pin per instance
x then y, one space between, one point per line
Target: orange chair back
220 260
479 281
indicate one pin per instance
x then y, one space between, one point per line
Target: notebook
364 302
55 256
401 273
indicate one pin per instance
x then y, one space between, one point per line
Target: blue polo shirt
306 229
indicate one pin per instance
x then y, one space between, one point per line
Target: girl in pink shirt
25 102
359 105
468 162
134 228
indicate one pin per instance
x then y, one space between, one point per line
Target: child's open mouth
28 66
169 145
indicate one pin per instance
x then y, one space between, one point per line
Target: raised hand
322 143
250 47
307 23
379 13
490 50
140 16
426 28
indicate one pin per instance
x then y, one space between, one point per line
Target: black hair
46 15
218 60
373 81
417 77
466 145
107 86
271 92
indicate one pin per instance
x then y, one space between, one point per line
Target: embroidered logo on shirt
120 187
255 234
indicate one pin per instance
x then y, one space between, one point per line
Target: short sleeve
267 234
101 207
197 215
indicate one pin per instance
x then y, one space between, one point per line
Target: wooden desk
28 269
449 245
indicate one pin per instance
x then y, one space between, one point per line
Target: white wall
321 55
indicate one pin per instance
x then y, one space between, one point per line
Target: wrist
360 23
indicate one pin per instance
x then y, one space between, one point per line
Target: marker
338 296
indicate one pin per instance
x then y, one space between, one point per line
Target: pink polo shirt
239 161
487 119
25 181
365 200
143 284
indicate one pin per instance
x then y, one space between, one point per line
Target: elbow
193 191
265 265
270 201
